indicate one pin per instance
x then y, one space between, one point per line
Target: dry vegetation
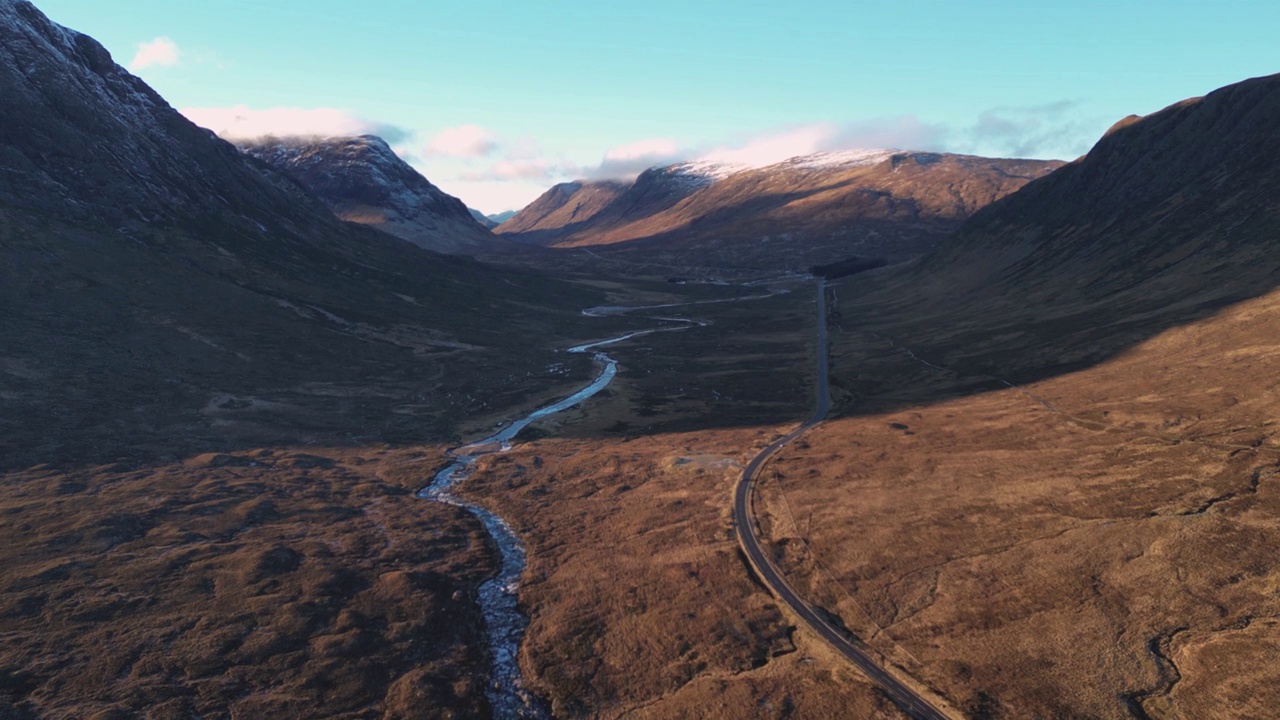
1100 544
641 605
280 581
260 584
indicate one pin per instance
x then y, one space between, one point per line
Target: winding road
908 699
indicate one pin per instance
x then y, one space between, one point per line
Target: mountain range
807 210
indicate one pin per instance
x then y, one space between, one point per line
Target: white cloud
244 123
625 162
493 196
903 132
521 160
522 170
652 147
1055 129
464 141
161 52
541 169
776 146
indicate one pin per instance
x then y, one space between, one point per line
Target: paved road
909 700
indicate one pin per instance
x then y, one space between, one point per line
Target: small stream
504 622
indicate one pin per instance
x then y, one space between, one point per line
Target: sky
496 101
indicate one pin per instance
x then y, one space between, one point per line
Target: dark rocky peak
81 136
363 169
361 179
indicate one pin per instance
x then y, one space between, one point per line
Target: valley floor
1098 544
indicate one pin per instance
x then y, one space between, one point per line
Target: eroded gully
504 624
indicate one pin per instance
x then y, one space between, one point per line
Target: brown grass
260 584
640 603
1114 558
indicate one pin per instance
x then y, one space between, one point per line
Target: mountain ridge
1168 219
364 181
803 211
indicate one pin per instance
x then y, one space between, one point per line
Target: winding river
504 624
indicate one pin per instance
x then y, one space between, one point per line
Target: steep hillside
1050 483
158 285
1167 219
797 213
560 210
362 180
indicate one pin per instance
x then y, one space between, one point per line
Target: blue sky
495 101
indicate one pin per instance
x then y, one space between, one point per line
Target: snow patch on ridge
709 169
839 158
705 172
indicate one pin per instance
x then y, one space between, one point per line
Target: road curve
905 697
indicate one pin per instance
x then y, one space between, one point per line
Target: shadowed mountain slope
362 180
163 295
1168 219
801 212
158 286
483 219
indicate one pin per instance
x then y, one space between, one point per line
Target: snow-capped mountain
363 180
806 210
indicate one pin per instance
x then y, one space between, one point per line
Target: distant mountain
483 219
560 211
804 211
151 273
492 221
363 180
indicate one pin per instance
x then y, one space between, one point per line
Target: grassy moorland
1047 489
261 552
1099 544
639 600
256 583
